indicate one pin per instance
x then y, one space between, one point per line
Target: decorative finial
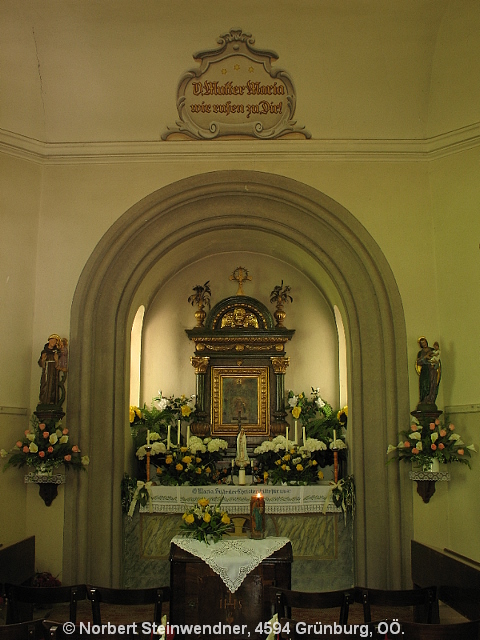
201 297
240 275
280 296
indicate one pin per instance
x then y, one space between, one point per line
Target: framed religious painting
240 392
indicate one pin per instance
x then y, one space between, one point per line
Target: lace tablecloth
232 559
236 499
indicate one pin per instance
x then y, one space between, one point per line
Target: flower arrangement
163 416
45 447
342 494
320 422
205 522
427 440
192 465
282 462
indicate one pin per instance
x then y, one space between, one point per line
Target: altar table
201 597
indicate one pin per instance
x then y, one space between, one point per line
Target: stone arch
158 235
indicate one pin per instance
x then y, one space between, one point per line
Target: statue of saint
429 368
242 458
54 363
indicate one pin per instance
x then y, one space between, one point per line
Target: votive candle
257 516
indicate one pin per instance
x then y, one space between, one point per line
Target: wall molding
358 150
13 411
463 408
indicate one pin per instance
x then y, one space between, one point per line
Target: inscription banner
235 92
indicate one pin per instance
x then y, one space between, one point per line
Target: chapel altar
241 407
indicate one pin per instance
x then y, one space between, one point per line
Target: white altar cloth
232 559
236 499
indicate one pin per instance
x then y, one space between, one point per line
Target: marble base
322 549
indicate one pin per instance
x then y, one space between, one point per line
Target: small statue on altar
242 455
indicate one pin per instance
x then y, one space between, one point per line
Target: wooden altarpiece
240 364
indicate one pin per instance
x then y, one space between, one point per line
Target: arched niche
231 211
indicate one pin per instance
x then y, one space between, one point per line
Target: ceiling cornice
358 150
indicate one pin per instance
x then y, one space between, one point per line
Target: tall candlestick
148 437
304 436
188 435
178 433
296 433
335 438
257 516
168 437
286 435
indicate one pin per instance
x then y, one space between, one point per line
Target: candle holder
257 516
148 450
335 464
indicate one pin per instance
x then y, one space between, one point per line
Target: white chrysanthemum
141 453
192 402
340 444
265 447
195 444
311 445
158 447
293 401
154 436
216 445
319 402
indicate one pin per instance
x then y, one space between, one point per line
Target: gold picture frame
242 389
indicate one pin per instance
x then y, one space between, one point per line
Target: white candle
304 435
286 435
178 433
296 433
168 437
334 438
241 477
188 435
148 437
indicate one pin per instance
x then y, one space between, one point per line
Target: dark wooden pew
17 562
456 577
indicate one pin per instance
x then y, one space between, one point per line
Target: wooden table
199 595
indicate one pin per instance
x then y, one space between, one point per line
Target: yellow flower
168 460
208 470
207 517
132 414
187 459
189 519
265 475
198 470
203 502
320 475
186 410
179 467
183 449
296 411
300 395
284 467
299 467
314 462
225 518
287 457
198 460
277 462
159 471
